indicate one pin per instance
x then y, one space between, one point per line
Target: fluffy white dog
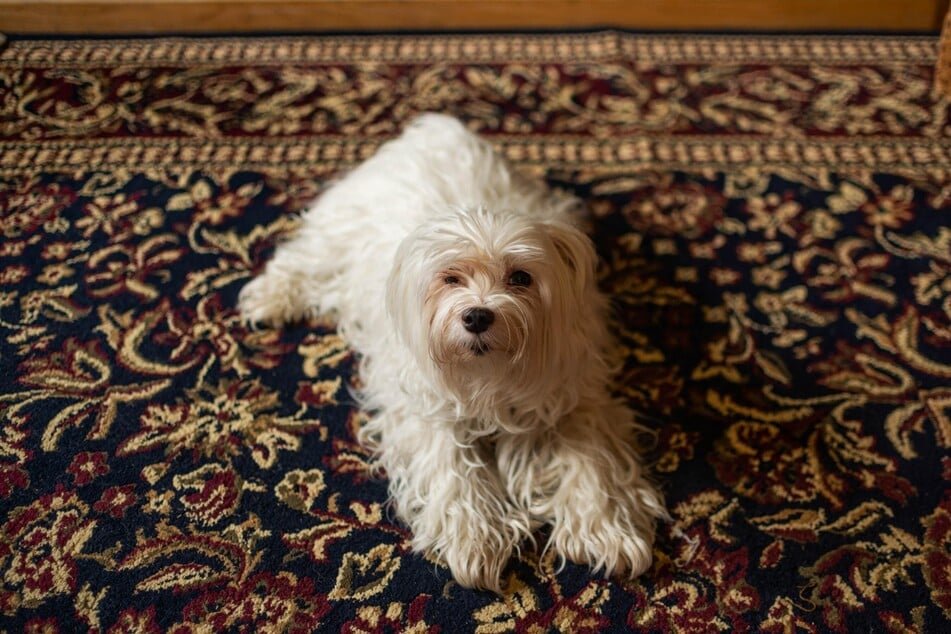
471 297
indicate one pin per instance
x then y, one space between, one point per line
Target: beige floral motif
212 333
82 375
138 270
210 494
316 541
773 215
326 351
264 602
363 575
118 216
300 489
396 617
221 421
40 545
848 578
680 604
30 205
890 210
520 609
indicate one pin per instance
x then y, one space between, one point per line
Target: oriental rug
773 216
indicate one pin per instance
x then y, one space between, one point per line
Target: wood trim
209 16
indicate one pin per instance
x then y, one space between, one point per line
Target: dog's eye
520 278
451 280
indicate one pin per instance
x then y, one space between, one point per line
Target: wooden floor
209 16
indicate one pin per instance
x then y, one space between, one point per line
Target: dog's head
495 299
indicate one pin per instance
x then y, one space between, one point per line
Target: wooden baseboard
209 16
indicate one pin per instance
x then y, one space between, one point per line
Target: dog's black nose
477 320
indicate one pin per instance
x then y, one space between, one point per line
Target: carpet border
686 152
476 48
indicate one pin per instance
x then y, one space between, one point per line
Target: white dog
485 356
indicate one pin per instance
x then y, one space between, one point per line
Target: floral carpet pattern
774 220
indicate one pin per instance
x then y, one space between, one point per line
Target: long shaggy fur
484 434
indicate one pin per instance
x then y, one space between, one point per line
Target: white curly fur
484 436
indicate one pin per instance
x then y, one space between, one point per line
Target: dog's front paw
272 300
610 530
260 304
604 544
476 562
476 546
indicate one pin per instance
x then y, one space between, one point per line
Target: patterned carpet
773 216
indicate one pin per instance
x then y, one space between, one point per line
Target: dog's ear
577 253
